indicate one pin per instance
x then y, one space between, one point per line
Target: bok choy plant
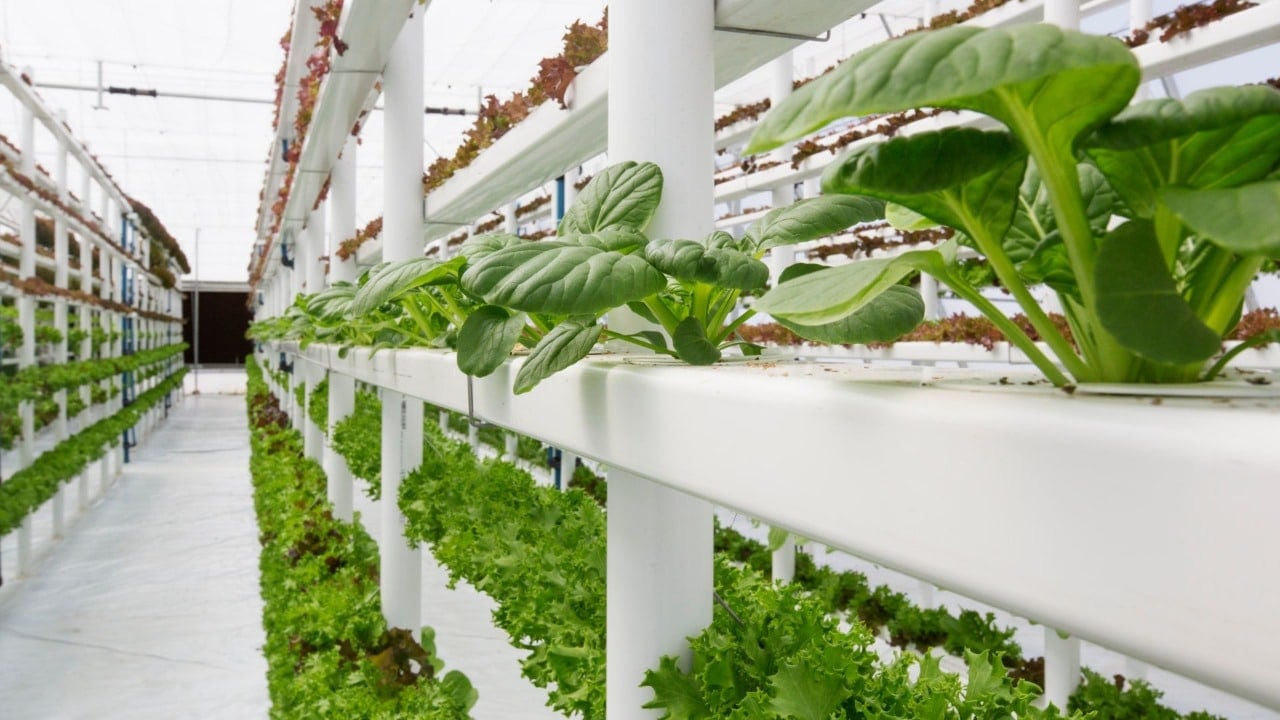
1149 221
554 294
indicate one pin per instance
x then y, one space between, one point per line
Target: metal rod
149 92
824 37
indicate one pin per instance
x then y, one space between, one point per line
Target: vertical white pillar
342 401
1063 13
1139 15
1061 667
511 444
402 238
342 212
660 540
27 321
568 463
929 292
783 560
571 178
509 222
401 566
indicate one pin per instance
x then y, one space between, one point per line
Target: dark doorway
223 322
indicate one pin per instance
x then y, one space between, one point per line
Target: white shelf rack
1120 520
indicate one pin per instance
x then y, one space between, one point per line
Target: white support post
27 321
401 239
571 178
929 292
1061 667
511 444
342 402
783 560
1063 13
82 489
659 575
342 212
568 463
1139 15
444 420
510 223
401 566
61 259
782 77
473 435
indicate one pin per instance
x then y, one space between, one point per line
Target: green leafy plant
32 486
1195 182
329 651
601 261
779 655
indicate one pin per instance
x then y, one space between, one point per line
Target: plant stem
1008 275
1262 338
1230 293
662 312
611 335
728 301
731 327
1011 331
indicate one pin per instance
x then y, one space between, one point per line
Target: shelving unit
121 309
1105 518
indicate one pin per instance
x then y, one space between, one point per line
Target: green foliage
329 652
538 552
318 405
358 439
1148 302
1111 700
781 655
32 486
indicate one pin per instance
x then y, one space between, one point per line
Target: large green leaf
1062 81
572 276
487 338
1216 138
829 295
566 344
398 277
1138 302
811 219
961 177
332 303
1034 224
692 261
476 248
1244 220
674 692
884 318
691 343
621 196
806 691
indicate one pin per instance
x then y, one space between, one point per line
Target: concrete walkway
149 607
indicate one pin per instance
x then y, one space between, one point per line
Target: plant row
544 566
329 651
1150 222
462 507
32 486
39 383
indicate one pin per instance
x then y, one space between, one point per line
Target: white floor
149 606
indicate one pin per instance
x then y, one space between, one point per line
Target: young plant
557 292
1196 184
